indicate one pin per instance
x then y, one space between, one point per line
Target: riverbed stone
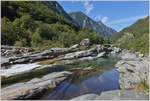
86 97
78 54
128 56
28 89
133 70
74 47
101 54
85 42
122 95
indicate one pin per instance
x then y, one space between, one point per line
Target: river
93 82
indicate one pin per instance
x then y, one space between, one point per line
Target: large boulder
115 50
99 48
85 42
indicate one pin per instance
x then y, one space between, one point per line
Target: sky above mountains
115 14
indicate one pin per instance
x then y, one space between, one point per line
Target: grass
142 87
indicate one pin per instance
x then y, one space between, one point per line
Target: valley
50 54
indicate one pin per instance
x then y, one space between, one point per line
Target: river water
95 82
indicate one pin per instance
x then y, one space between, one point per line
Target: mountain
135 37
86 22
39 10
41 24
106 30
55 6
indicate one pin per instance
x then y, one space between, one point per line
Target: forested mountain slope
135 37
40 24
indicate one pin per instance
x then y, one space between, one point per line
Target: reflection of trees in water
82 75
76 78
108 62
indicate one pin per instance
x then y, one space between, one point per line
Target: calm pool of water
97 83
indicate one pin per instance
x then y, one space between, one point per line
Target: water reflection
94 84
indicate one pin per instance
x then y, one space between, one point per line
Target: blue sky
115 14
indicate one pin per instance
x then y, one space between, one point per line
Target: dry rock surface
32 88
114 95
133 70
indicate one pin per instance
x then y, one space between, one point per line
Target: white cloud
101 18
104 19
88 6
127 19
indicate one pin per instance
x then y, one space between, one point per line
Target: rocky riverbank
133 79
34 87
27 64
133 69
65 53
114 95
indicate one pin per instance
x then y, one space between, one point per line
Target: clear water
96 83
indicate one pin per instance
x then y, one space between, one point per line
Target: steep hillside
40 24
53 5
85 22
135 37
106 30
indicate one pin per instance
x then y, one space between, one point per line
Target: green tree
7 33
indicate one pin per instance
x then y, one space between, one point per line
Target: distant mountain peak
86 22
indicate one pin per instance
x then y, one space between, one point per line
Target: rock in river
32 88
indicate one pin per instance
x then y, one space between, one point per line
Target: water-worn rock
86 97
133 70
115 50
29 89
99 48
79 54
126 55
12 50
74 47
85 42
18 69
114 95
101 54
33 57
69 53
122 95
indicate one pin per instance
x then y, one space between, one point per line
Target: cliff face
85 22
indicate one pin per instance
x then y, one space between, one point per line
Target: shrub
7 33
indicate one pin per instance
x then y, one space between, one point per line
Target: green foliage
7 32
21 42
34 24
135 37
93 36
